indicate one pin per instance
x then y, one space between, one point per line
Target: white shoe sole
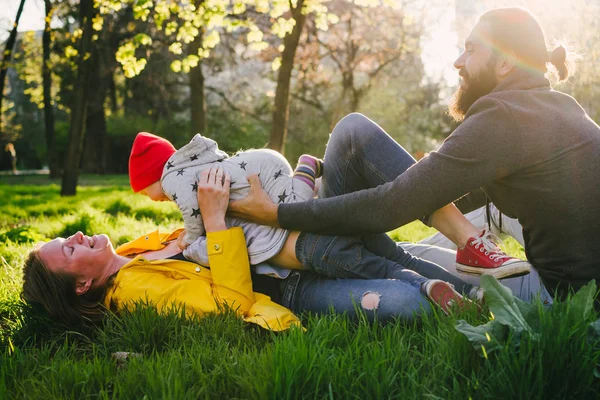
506 271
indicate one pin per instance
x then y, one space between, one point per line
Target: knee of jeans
350 128
370 301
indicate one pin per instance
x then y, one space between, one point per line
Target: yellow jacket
199 289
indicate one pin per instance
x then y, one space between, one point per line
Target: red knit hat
149 154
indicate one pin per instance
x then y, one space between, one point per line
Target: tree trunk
95 140
342 106
282 93
126 99
100 74
7 56
80 100
48 108
112 93
102 85
197 103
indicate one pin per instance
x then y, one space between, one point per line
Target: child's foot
308 169
481 256
443 295
314 163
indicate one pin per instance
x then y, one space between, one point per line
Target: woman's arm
227 252
212 198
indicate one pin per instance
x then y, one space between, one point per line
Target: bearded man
533 151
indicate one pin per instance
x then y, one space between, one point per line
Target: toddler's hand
181 243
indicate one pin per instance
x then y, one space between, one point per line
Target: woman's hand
213 198
256 207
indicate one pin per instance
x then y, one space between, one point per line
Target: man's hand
213 198
256 207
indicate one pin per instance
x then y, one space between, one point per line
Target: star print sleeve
183 190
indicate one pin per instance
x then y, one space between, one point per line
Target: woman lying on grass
79 277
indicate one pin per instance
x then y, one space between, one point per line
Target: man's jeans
361 155
367 257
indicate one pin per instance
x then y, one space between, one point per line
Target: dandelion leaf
485 338
503 305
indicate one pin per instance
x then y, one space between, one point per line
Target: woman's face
84 257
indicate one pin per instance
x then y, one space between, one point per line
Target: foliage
10 130
512 317
21 234
345 60
182 23
235 131
243 39
28 66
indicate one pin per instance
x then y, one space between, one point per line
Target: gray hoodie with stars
180 183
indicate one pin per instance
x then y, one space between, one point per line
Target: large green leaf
503 306
485 338
530 312
582 303
509 314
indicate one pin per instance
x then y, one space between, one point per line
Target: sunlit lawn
220 357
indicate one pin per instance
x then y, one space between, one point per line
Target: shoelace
487 240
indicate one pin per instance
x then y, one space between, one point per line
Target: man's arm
484 148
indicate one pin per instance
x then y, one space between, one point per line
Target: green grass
221 357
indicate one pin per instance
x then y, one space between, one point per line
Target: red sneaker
443 295
481 256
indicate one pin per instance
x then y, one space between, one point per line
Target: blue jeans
379 299
368 257
348 257
361 155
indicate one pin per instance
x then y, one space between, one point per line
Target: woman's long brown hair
56 293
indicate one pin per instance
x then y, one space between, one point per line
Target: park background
246 73
253 74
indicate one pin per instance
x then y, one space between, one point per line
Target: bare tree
361 46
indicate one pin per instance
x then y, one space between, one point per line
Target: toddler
159 171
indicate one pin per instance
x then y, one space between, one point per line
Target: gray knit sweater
534 152
179 182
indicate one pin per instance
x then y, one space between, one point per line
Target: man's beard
472 89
